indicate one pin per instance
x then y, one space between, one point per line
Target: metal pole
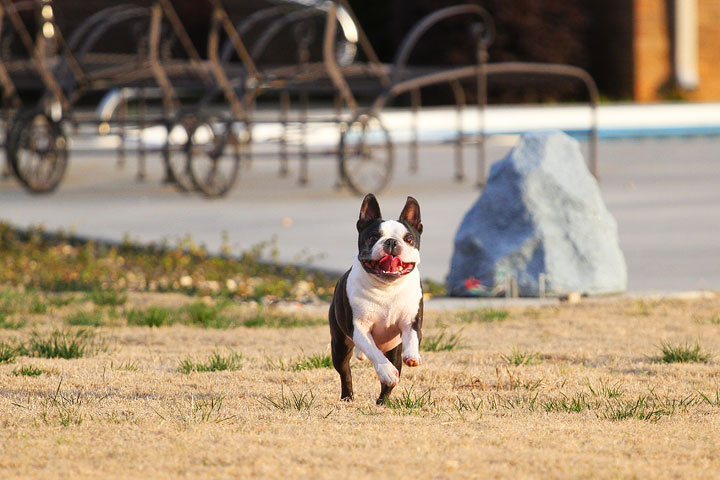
284 109
482 101
415 100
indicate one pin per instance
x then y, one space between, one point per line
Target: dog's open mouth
388 265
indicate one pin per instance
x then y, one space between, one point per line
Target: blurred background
237 123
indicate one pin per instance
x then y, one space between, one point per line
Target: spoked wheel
213 156
176 160
366 155
37 151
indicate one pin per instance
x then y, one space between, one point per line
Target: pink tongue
389 263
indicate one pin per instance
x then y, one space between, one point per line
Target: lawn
142 384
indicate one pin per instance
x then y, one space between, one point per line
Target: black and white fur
377 307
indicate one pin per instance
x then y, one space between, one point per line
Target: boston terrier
377 307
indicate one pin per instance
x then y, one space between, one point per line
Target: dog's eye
373 238
409 240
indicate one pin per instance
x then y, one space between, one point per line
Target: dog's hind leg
341 353
395 357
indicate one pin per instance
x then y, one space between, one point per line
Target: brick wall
709 52
652 51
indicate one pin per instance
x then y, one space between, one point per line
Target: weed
11 324
8 352
61 300
27 371
152 317
21 302
310 362
275 319
207 316
62 344
683 353
107 297
273 364
67 408
640 408
410 402
485 315
294 401
574 404
214 363
207 409
519 357
37 306
441 342
128 366
648 407
606 390
85 319
473 404
713 402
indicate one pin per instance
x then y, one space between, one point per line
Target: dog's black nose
391 246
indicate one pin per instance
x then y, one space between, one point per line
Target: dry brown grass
126 412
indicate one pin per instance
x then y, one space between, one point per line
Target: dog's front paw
359 355
388 374
412 359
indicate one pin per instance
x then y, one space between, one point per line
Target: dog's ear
369 211
411 214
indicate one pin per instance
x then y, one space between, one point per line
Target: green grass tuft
208 316
311 362
61 300
85 319
151 317
485 315
573 404
683 353
37 305
276 319
442 342
207 409
8 324
67 409
214 363
27 371
606 390
295 401
111 298
519 357
128 366
8 352
708 398
409 401
62 344
21 302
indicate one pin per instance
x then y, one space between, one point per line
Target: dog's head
389 249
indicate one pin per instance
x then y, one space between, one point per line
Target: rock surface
540 213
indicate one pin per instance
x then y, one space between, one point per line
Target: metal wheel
213 156
37 151
366 155
176 161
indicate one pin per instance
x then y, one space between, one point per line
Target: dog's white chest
383 308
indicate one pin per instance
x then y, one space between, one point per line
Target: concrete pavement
663 192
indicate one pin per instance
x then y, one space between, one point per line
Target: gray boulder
540 213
